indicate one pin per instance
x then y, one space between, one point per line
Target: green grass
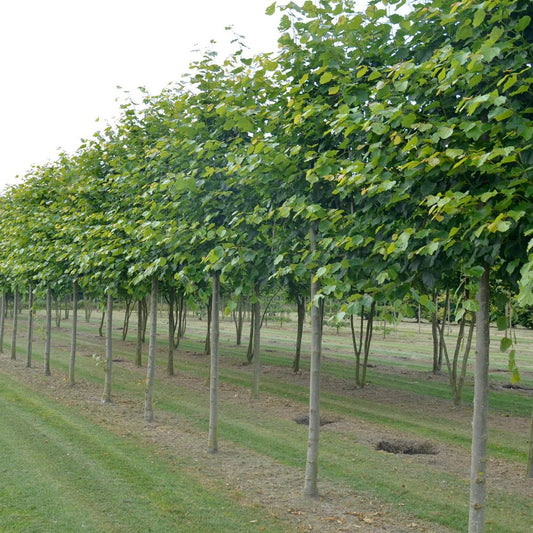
61 472
73 472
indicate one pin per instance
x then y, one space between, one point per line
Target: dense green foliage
402 135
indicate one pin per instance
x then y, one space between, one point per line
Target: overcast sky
62 60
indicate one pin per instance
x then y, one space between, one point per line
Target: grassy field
70 463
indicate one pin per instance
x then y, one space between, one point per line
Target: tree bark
106 396
15 325
57 308
48 339
368 341
238 318
2 320
212 446
256 309
30 327
150 371
311 470
101 328
127 315
139 346
478 477
300 303
435 333
171 329
72 362
529 470
207 345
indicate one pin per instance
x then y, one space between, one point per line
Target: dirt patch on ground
254 479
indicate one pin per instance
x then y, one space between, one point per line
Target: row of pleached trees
375 155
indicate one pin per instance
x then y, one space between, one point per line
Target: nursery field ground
71 463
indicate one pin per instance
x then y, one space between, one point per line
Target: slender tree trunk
127 315
15 325
256 310
357 345
144 307
30 327
529 470
213 382
48 338
478 471
72 362
87 307
238 318
102 320
207 345
368 341
171 329
250 350
180 314
150 371
57 308
311 470
2 320
139 346
300 303
106 396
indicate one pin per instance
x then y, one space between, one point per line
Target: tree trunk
213 382
171 330
250 350
57 308
66 309
72 362
139 347
180 318
48 338
2 320
106 396
101 328
317 306
15 325
529 470
256 310
435 333
88 308
30 327
238 318
144 307
368 341
300 303
478 481
127 315
207 345
150 371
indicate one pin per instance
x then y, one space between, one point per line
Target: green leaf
271 9
270 65
502 323
444 132
284 23
361 71
244 124
479 17
505 344
326 77
321 271
513 369
333 90
523 23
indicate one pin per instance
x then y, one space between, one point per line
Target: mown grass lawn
67 470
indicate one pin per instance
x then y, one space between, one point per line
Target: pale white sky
62 60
